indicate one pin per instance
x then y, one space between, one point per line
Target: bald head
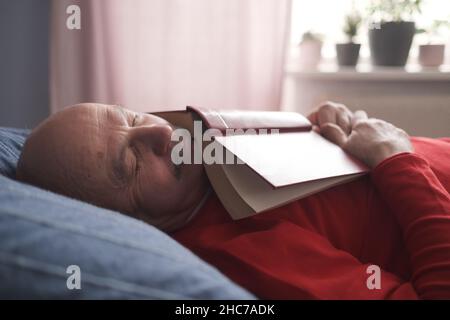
48 154
114 158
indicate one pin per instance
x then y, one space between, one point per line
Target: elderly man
383 236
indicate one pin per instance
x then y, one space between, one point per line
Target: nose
156 136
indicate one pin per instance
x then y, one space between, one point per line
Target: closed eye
135 118
137 160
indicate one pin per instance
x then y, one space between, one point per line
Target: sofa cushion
42 234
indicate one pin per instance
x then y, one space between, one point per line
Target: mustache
177 170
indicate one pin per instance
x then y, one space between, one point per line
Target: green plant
351 25
436 28
394 10
312 36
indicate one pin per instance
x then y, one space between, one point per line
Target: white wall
418 103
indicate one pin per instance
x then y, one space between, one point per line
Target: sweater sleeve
421 206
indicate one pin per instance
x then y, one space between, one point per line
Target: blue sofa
42 234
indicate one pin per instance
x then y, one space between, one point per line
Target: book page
261 196
290 158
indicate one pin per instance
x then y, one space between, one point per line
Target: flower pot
431 55
310 54
348 54
390 43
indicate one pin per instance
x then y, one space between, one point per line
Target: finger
326 113
359 116
316 129
334 133
344 120
312 117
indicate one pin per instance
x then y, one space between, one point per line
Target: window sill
366 72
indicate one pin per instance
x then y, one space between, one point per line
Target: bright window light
327 17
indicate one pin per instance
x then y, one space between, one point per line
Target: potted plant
348 53
392 30
432 54
311 50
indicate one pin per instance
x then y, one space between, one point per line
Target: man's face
119 159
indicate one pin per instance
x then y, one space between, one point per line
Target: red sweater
398 218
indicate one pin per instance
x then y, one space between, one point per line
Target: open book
275 169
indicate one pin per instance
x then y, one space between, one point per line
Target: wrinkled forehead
90 114
108 142
93 127
81 137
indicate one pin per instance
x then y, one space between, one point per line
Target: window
327 17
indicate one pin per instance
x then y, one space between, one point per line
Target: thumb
334 133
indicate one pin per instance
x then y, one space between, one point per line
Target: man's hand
369 140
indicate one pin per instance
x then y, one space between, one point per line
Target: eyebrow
117 109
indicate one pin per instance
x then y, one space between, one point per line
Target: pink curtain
165 54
